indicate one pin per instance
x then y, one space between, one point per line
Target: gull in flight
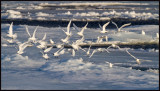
8 40
93 53
48 49
119 29
76 46
57 53
114 46
110 64
66 40
80 40
103 29
98 50
45 56
10 32
59 45
43 44
22 46
32 38
68 32
80 33
88 52
137 60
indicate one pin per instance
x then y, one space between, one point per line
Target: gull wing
104 26
93 53
84 27
62 29
23 46
28 31
109 47
125 25
73 52
62 51
131 55
48 49
100 27
42 52
11 29
106 50
115 24
44 37
75 27
68 27
82 49
34 33
145 60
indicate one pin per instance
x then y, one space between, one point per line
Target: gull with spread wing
10 32
119 29
103 29
137 60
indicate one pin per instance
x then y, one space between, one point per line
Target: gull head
138 61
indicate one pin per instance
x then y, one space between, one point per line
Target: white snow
14 14
42 14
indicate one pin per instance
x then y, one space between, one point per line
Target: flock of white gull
42 44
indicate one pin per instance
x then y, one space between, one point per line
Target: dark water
91 24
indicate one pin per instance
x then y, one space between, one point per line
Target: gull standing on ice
119 29
99 39
143 33
103 29
137 60
10 32
110 64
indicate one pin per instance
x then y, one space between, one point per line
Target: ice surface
82 10
33 72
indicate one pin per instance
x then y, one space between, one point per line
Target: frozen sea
30 71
